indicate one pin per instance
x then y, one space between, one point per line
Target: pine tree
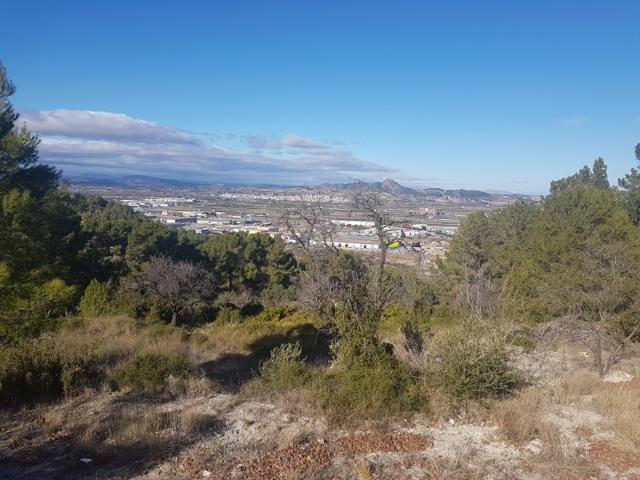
599 177
630 184
19 150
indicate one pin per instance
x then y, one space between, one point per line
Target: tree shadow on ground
57 455
234 369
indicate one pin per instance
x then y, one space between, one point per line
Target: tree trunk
174 318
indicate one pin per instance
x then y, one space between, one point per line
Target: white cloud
296 141
84 142
102 125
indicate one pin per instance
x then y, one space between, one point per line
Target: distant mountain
388 186
129 181
394 188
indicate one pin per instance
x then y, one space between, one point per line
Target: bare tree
339 285
605 346
309 223
178 286
370 205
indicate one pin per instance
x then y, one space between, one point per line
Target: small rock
206 473
618 376
452 421
86 460
534 446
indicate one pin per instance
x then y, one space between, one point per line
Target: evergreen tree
596 177
599 177
630 185
19 150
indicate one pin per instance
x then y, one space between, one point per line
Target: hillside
130 349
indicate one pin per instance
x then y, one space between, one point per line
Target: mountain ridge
387 185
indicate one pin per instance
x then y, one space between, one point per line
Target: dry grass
520 417
195 422
362 469
559 459
523 418
115 433
243 336
620 405
451 469
115 338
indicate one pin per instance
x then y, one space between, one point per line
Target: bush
41 371
365 390
275 314
95 300
393 317
79 372
228 315
474 366
150 371
29 373
285 368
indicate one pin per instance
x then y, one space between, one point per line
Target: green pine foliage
95 300
577 252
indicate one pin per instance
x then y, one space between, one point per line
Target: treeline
576 254
53 244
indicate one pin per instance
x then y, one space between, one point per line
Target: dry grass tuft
520 417
451 469
362 469
195 422
620 405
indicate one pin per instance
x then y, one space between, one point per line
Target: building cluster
427 224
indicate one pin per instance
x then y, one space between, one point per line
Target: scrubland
261 398
131 350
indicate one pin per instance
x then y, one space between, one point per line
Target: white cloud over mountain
87 142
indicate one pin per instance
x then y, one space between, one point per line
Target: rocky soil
238 437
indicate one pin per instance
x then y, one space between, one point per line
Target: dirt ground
568 423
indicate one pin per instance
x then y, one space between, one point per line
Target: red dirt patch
281 464
614 458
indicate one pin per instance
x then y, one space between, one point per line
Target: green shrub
41 371
80 371
474 366
29 373
95 300
150 371
364 390
393 317
285 368
277 294
275 314
228 315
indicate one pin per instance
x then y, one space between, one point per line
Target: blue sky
492 95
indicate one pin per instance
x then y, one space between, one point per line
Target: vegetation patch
473 366
151 371
285 368
369 391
